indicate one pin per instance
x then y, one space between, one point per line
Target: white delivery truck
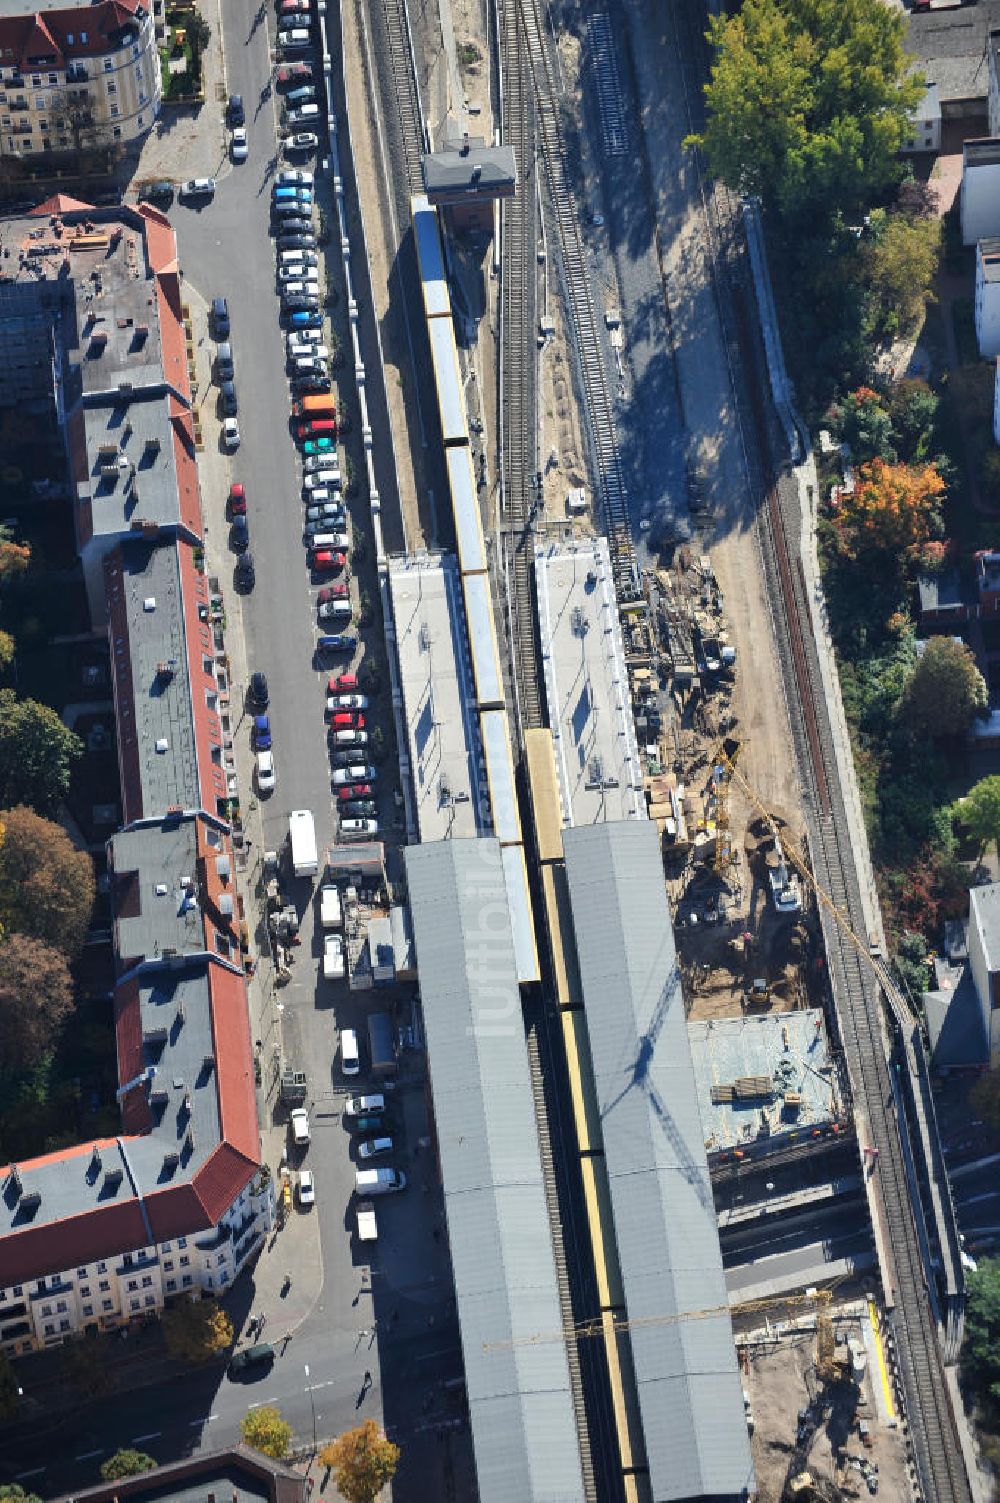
330 913
334 968
367 1229
302 830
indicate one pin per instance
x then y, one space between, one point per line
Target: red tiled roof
58 34
61 203
52 1246
188 495
234 1063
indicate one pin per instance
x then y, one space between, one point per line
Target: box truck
382 1043
302 830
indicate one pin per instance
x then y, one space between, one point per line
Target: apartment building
76 78
103 1233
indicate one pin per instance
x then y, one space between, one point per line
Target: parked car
303 140
360 1106
345 757
345 777
161 192
326 561
350 1052
341 683
298 257
260 1355
350 738
266 779
239 147
292 8
323 465
332 592
336 642
337 539
306 1188
259 693
294 178
198 187
308 115
294 38
378 1181
303 196
239 535
227 396
360 808
359 827
301 302
305 338
353 790
220 318
371 1148
237 500
366 1124
321 445
306 366
246 576
299 1121
352 701
291 221
304 94
312 381
237 114
298 272
225 366
261 731
296 242
346 720
293 73
230 435
332 515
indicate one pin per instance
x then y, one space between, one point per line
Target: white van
308 114
294 37
350 1056
352 738
378 1181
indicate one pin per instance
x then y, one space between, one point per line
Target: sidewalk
190 140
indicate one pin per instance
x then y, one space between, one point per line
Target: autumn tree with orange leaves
893 509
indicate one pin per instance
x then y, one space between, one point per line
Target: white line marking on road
153 1435
39 1470
206 1421
87 1455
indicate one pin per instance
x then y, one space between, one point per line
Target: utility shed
690 1393
520 1403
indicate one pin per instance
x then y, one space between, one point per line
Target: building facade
988 297
984 959
925 124
76 79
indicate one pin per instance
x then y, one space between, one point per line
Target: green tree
85 1363
913 408
808 103
981 1349
362 1460
944 691
10 1397
198 34
912 963
12 1492
901 257
36 996
37 753
863 422
197 1330
46 884
266 1431
126 1463
893 509
979 812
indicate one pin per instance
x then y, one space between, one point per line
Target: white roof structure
445 754
586 684
690 1392
520 1401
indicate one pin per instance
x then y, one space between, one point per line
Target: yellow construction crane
587 1328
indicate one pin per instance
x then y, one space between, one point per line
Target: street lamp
312 1405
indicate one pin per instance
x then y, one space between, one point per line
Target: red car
294 73
343 683
314 427
355 790
333 592
294 7
325 560
237 501
347 720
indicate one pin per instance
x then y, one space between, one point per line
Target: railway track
519 363
586 341
402 73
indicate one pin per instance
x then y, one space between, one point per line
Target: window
186 1281
133 1284
165 1247
127 1260
18 1290
112 88
83 38
85 1290
185 1262
171 1285
114 112
69 38
81 1273
53 78
64 1325
150 1299
168 1264
134 1304
40 101
36 80
88 1309
108 65
102 1267
221 1258
182 1242
61 1306
117 132
104 1286
46 1309
224 1279
135 53
107 1304
50 1330
147 1282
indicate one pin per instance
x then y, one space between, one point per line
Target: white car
336 610
321 496
307 1188
298 273
351 702
299 337
360 774
299 1119
293 178
300 287
340 540
303 141
230 435
321 479
372 1147
240 148
321 462
198 187
266 780
363 1106
324 511
359 827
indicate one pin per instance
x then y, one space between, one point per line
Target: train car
500 776
430 258
448 381
486 671
543 783
515 875
465 510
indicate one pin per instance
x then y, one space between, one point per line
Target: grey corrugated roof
984 916
523 1426
690 1394
954 1018
477 169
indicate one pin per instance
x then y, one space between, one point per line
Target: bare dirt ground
371 171
780 1379
563 464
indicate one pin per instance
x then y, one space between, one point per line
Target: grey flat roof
500 772
448 379
523 1426
438 696
586 684
465 509
162 708
138 438
954 1018
984 916
984 152
789 1048
479 169
950 45
690 1394
483 639
154 910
